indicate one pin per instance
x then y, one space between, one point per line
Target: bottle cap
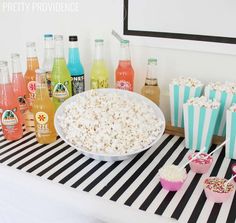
99 40
58 37
30 44
3 63
15 56
124 41
48 36
152 60
73 38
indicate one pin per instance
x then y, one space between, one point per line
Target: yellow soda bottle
60 77
43 110
99 76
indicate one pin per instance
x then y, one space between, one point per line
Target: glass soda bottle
48 59
10 115
18 82
32 65
124 73
43 110
61 79
99 76
151 89
75 67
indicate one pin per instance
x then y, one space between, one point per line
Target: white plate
109 157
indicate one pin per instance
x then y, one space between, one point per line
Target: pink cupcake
172 177
200 164
233 167
216 190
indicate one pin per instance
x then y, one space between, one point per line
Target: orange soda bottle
32 65
10 115
124 73
43 110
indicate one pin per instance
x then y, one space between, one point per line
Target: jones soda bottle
75 67
124 73
10 114
32 65
43 110
48 59
61 79
99 73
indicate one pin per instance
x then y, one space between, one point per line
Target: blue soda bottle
75 67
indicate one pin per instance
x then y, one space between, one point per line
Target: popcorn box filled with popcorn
181 89
200 116
230 151
226 95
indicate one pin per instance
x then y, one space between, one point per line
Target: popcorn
109 123
232 108
172 173
229 87
186 81
203 102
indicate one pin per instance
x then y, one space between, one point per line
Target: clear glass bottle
75 67
43 110
99 75
124 73
32 65
151 88
10 115
48 59
61 79
18 82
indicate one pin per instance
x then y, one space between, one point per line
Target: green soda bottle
61 79
99 75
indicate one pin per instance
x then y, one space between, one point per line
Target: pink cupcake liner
171 185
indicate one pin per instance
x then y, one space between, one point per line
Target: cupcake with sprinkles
217 190
202 162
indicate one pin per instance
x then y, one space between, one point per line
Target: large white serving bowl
104 156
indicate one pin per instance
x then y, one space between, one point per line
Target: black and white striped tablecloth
133 183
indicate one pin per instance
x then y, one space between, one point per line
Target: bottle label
99 84
60 91
78 84
31 87
9 117
124 85
22 103
42 120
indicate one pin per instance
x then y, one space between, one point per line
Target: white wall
97 19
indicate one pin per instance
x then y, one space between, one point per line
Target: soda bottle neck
124 52
98 52
32 63
16 64
74 56
4 73
48 59
59 49
31 51
41 86
151 78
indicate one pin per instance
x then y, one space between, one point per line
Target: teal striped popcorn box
230 151
226 95
200 116
181 89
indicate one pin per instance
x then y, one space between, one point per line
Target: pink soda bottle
18 82
124 73
10 115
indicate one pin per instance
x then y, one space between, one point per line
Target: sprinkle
218 185
200 159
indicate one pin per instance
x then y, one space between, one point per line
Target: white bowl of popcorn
109 124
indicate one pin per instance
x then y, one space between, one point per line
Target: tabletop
132 183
